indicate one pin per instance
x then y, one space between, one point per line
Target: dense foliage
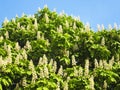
50 51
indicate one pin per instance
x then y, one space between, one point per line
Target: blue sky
92 11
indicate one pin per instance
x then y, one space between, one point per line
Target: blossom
24 81
39 9
105 85
34 76
103 28
1 61
73 60
109 27
60 30
101 64
46 18
80 71
5 21
23 14
111 62
45 6
28 46
67 24
75 72
7 35
13 20
74 25
17 59
17 47
45 60
98 27
115 26
91 79
38 34
35 24
1 38
87 27
103 41
58 86
24 54
86 72
18 25
31 65
51 62
95 63
60 71
46 72
65 85
41 74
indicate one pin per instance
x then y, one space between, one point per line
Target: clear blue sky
92 11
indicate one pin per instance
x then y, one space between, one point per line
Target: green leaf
1 87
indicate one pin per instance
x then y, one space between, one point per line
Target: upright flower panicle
5 46
1 38
80 71
28 27
60 30
51 62
41 74
67 24
45 60
9 50
17 59
58 86
31 65
5 21
16 16
60 71
75 72
115 26
87 27
105 85
46 72
105 65
91 79
111 62
24 82
13 20
34 76
6 35
38 35
65 85
45 6
17 46
96 63
28 46
103 41
86 72
39 9
35 24
24 54
74 25
46 18
8 60
23 14
18 25
101 63
1 61
98 27
73 60
40 62
109 27
102 26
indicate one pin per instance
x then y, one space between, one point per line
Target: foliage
50 51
